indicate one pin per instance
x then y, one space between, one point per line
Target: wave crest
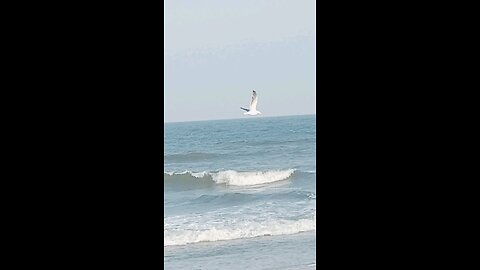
231 177
235 178
254 229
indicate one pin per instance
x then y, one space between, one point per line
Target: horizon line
187 121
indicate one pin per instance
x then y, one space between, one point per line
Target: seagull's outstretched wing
253 102
244 109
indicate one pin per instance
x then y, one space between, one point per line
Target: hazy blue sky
217 51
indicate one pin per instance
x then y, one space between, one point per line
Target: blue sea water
240 194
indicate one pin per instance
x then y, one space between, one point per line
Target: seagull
253 106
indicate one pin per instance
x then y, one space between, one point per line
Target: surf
174 237
228 177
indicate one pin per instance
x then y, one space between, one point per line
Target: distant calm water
240 194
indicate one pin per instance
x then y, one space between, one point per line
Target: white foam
177 173
249 230
235 178
199 174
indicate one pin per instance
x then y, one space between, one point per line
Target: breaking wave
252 229
228 177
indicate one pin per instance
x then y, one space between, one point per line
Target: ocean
240 193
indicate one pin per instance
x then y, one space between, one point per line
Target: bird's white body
253 106
252 112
